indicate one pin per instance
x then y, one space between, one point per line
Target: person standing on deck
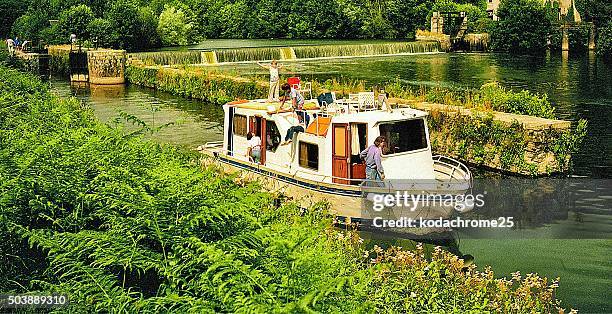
373 159
274 79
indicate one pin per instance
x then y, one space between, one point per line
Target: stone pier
106 67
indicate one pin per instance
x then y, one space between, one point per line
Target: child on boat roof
274 79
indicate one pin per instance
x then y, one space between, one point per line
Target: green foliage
29 25
604 41
124 224
75 20
473 12
10 10
516 31
133 28
173 27
100 31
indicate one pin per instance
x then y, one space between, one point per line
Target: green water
580 86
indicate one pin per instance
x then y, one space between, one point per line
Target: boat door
257 125
341 148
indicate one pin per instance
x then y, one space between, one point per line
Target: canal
580 86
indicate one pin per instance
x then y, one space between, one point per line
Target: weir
209 57
288 53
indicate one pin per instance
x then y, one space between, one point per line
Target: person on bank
373 159
10 43
274 68
254 147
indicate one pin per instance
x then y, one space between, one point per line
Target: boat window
273 136
240 125
309 155
404 136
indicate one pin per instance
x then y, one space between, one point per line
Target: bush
173 27
75 20
523 27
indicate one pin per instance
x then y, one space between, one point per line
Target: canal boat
323 163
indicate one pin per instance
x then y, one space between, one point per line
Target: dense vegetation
525 26
123 224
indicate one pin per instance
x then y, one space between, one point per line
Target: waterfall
247 54
331 51
287 53
167 57
209 57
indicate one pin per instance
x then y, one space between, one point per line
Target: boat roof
260 106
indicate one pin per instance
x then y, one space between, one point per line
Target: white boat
323 162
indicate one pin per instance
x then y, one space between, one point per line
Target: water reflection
192 122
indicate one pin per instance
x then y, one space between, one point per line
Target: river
580 86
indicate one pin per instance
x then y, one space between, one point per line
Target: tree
101 32
29 25
10 10
173 28
75 21
604 42
523 27
132 28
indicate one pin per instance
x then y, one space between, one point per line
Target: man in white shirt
254 149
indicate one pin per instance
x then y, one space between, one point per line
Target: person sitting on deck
254 149
372 156
274 79
297 103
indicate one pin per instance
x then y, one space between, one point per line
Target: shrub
76 20
173 27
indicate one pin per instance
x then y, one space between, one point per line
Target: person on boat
274 68
254 149
297 102
373 159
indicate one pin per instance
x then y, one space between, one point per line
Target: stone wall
506 142
106 67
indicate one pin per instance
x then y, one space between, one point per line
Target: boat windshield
404 136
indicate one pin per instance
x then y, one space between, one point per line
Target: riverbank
507 142
192 238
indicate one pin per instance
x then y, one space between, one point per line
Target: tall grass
125 225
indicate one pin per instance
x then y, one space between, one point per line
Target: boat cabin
328 149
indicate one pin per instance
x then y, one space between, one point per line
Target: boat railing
452 169
367 185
